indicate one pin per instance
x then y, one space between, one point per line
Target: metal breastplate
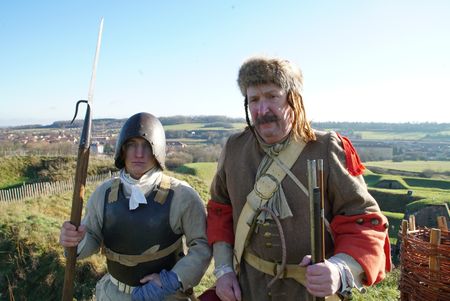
132 232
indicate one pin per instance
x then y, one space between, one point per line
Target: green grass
395 220
17 170
384 135
386 290
203 170
200 126
427 183
189 141
414 166
31 259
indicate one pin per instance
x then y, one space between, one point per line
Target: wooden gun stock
316 204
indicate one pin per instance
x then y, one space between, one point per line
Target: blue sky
381 60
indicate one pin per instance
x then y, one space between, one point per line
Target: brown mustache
266 119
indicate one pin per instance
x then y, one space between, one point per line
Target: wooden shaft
75 219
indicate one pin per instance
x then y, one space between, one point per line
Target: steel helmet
148 127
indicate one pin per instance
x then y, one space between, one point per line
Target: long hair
301 129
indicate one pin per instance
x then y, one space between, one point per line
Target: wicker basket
425 264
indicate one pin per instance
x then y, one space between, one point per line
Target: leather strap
163 190
149 255
263 190
114 193
293 271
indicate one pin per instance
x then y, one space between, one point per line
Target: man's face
270 111
138 157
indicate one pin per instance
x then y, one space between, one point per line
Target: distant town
374 141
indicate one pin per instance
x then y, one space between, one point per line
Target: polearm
80 176
316 207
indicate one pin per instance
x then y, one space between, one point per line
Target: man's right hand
70 236
227 287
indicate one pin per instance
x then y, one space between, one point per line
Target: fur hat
264 70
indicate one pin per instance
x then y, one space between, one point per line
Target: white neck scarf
138 189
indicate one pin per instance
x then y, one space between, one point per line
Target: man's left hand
322 279
157 287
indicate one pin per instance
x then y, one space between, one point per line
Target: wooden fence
34 190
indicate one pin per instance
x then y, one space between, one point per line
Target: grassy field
203 170
381 135
200 126
189 141
414 166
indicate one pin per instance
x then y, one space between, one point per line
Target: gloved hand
153 292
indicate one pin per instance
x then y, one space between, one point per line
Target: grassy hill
31 260
17 170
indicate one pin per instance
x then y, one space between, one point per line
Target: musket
80 175
317 215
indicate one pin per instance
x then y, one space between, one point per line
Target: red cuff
354 165
219 223
365 238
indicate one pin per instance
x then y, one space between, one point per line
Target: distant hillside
338 126
117 123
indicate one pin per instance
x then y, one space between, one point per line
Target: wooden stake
434 262
412 222
442 223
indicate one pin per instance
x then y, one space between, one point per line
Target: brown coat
344 195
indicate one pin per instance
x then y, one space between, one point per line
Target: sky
362 61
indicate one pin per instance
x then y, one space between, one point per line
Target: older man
258 197
140 218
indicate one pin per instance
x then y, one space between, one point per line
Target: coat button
386 225
267 235
359 221
374 221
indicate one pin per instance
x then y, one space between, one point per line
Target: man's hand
227 287
322 279
70 236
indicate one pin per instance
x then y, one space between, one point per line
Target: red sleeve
365 238
219 225
354 165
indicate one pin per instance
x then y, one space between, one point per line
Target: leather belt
293 271
271 268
